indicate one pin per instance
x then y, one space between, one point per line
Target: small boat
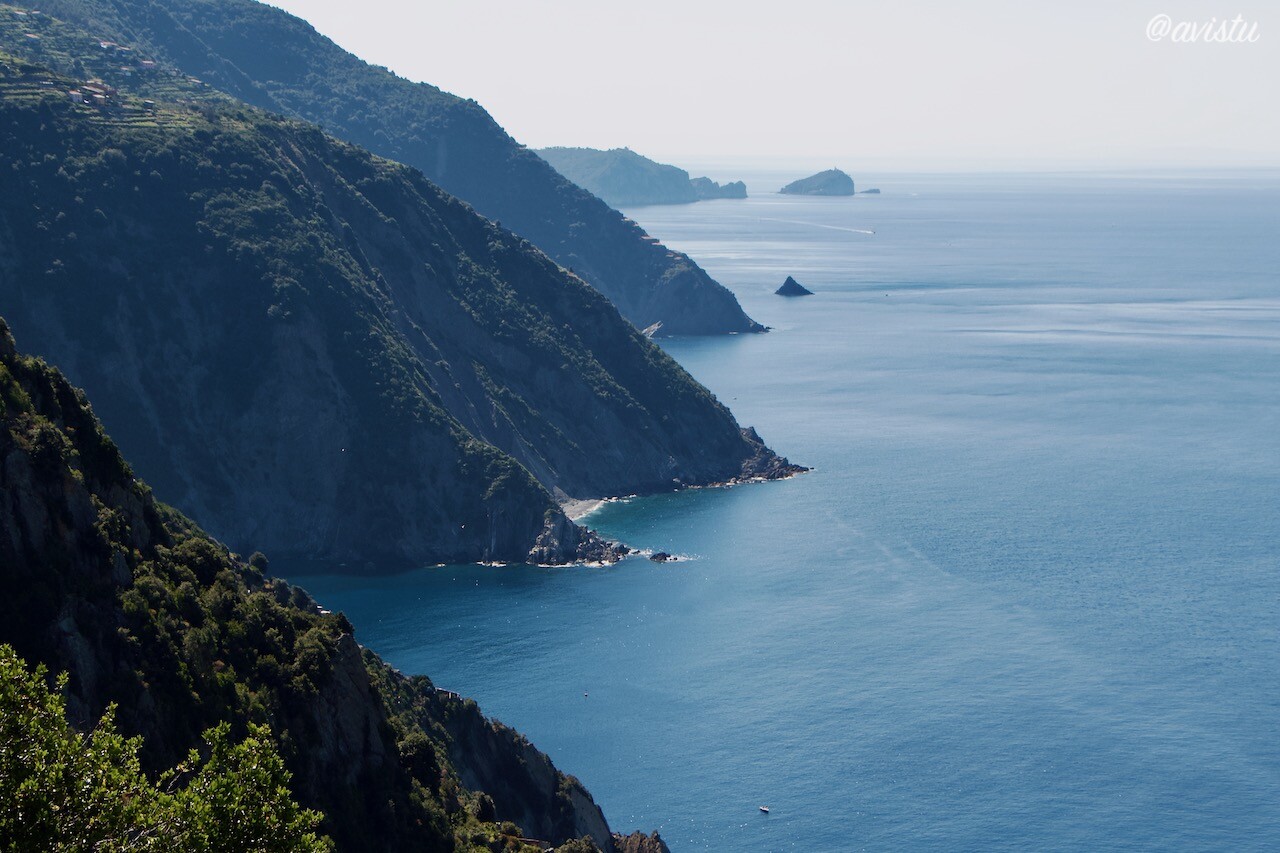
764 809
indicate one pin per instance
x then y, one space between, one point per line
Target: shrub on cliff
70 791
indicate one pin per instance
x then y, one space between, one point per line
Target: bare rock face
563 541
521 782
764 464
638 842
346 720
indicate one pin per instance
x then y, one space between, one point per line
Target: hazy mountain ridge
271 59
623 178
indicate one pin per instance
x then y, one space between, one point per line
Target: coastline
577 509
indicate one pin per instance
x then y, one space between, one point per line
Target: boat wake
820 225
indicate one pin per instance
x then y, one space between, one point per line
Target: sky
903 84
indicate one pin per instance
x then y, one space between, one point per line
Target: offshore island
830 182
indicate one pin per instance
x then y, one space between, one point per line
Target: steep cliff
273 60
316 351
145 611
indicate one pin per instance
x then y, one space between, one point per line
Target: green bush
68 791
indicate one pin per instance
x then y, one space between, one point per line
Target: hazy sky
896 83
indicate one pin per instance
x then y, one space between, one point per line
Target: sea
1028 598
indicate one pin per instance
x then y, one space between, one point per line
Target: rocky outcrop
638 842
560 536
270 59
764 464
830 182
791 287
706 189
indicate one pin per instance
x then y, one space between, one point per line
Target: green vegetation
68 791
270 59
316 351
88 190
172 644
41 41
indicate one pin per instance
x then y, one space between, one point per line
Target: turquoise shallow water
1028 598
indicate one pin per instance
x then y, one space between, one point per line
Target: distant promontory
830 182
709 189
623 178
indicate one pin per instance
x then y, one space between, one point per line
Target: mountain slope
317 351
273 60
146 612
622 177
250 361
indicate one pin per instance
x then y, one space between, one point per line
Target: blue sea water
1029 597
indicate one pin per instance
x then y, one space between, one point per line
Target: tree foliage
68 791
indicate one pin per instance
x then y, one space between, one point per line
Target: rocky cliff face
522 783
273 60
318 352
143 610
638 842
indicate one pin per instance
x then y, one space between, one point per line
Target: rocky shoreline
762 466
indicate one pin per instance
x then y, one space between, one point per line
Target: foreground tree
65 790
